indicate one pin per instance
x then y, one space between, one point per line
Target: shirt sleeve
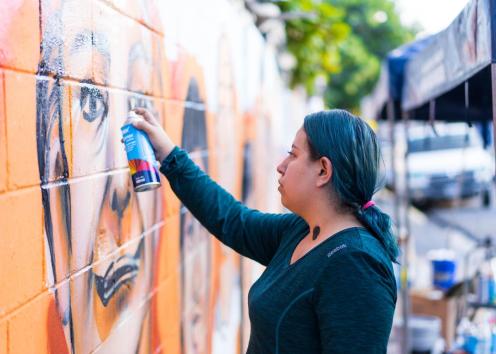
355 301
249 232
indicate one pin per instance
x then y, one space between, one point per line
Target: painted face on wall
226 118
196 253
195 242
227 302
95 225
247 184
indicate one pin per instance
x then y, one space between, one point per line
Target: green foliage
358 75
313 39
346 41
376 30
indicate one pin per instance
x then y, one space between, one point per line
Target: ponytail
380 225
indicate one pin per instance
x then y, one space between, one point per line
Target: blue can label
142 162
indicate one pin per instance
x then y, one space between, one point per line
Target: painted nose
120 195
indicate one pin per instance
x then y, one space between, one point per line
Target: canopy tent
408 83
453 78
449 76
450 79
389 87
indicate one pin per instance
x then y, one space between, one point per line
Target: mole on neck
316 232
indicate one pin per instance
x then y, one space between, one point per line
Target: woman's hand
161 142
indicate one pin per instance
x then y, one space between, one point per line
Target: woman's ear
325 172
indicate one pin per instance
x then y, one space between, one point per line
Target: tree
344 41
313 36
375 30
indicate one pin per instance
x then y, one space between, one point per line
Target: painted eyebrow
101 43
295 147
87 38
81 40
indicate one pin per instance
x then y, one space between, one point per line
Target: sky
432 15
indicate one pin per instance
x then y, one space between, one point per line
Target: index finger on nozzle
138 123
146 114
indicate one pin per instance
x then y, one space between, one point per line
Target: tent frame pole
405 232
405 308
493 96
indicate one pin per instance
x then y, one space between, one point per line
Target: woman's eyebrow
295 147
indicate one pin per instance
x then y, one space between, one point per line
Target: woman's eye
290 153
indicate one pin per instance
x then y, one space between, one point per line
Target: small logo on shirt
339 248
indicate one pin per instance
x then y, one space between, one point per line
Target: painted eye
94 104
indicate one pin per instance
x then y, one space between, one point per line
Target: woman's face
297 182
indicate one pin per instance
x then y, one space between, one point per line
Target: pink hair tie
368 204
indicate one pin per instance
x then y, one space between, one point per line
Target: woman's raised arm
250 232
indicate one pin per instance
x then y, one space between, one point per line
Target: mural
95 226
227 320
196 245
96 267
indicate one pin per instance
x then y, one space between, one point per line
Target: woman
329 285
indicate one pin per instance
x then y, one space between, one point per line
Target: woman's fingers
159 139
147 115
143 125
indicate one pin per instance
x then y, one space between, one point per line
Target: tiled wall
86 264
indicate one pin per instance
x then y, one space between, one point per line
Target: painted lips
119 273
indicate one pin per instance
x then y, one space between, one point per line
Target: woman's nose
280 168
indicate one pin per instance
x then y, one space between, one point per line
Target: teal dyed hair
353 149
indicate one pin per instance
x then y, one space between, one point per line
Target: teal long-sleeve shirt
339 298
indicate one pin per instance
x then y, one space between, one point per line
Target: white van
448 162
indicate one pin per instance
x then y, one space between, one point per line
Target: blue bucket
443 273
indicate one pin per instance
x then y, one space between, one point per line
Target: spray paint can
142 162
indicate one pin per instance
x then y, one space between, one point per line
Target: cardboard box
432 302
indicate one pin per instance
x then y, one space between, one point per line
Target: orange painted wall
86 264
